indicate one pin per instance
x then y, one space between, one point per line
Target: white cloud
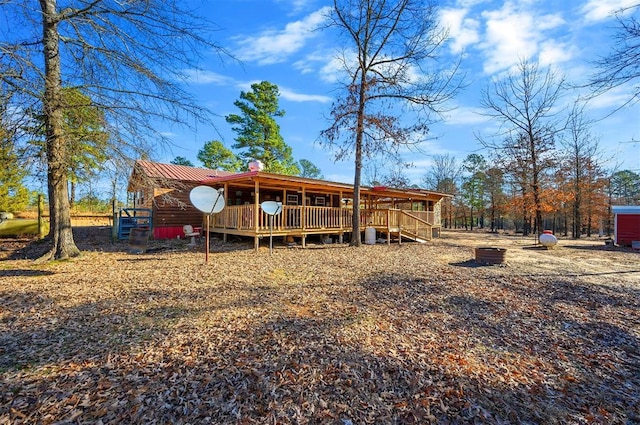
206 77
464 115
598 10
292 96
297 5
515 32
462 31
328 66
552 53
614 98
274 46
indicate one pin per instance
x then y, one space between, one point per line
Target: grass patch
21 227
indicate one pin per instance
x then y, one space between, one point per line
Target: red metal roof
179 172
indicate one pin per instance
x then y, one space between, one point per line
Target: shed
626 224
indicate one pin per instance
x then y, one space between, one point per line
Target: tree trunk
60 232
355 235
72 194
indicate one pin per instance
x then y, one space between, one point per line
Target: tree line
545 168
495 198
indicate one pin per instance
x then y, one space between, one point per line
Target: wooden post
256 206
114 227
256 214
388 226
226 216
340 214
303 212
40 221
206 241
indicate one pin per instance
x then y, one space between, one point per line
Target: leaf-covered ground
416 333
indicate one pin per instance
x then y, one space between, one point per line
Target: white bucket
370 235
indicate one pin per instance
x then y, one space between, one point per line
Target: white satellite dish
210 201
256 165
271 207
207 199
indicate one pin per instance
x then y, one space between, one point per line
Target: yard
416 333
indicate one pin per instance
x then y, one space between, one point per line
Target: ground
416 333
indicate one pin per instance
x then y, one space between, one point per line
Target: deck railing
295 217
414 225
242 217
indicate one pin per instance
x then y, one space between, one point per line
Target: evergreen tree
258 132
87 142
216 156
309 169
181 160
14 196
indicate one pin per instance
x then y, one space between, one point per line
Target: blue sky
279 41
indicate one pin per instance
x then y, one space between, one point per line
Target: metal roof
281 179
159 171
178 172
625 209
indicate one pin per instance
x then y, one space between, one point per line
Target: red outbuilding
627 225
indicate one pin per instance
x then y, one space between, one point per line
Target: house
310 207
160 196
626 224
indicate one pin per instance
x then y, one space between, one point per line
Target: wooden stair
402 224
130 218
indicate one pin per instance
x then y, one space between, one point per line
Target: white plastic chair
189 233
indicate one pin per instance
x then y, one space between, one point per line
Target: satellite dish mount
271 208
209 201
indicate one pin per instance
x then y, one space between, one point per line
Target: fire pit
490 255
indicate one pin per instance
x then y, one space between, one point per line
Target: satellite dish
271 207
256 165
207 199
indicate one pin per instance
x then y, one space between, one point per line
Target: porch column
388 226
256 214
340 215
303 213
224 224
303 217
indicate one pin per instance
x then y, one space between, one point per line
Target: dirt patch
417 333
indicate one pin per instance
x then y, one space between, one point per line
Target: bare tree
622 65
387 51
524 103
445 169
494 185
581 159
128 57
474 186
444 177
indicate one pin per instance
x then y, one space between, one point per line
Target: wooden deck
301 221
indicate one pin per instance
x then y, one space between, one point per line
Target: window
292 199
320 201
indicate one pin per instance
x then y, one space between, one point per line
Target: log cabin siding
172 207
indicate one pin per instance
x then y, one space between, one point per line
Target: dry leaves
401 334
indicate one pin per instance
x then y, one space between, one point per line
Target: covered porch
318 207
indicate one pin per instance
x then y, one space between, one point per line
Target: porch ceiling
279 182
